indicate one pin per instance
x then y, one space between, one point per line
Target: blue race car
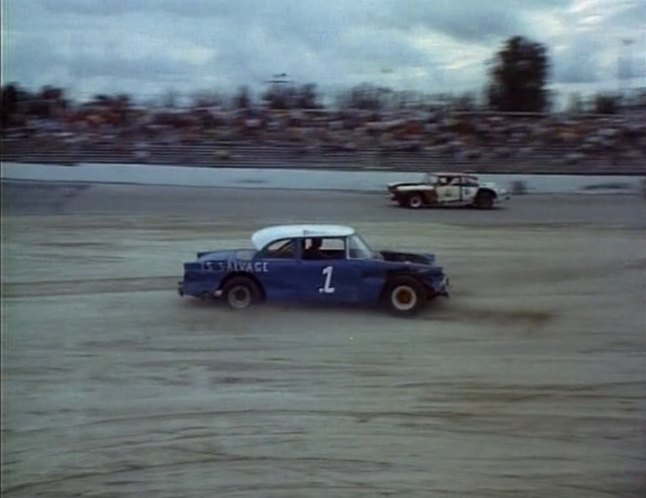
315 263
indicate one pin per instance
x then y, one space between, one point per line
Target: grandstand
410 139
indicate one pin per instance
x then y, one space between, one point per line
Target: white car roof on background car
452 173
266 235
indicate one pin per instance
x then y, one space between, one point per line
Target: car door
281 277
469 188
330 276
448 191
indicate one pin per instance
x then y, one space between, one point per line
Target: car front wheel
240 293
405 295
415 201
484 200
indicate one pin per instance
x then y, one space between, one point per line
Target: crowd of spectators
461 136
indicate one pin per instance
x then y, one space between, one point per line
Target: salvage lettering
248 266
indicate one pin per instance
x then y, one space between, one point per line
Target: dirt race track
530 381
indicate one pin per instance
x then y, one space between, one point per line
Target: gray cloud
94 7
143 45
469 20
577 62
152 69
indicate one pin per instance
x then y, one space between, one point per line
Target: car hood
427 259
492 186
394 185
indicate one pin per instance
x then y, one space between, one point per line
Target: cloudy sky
148 47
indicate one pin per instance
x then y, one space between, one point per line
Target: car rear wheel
484 200
404 296
415 201
240 293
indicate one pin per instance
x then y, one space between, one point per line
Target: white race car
448 189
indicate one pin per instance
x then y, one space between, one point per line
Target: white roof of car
266 235
451 173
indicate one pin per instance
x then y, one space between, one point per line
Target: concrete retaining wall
302 179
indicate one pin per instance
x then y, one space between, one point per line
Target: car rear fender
248 275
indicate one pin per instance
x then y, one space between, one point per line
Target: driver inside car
313 251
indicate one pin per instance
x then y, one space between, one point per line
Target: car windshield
358 249
470 181
430 178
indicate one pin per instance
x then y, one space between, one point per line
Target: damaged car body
315 264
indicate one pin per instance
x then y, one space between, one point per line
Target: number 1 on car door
327 286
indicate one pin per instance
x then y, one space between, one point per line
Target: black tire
415 201
240 293
484 200
404 295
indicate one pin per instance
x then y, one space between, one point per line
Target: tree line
517 82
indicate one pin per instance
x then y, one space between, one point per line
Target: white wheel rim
403 298
415 202
239 297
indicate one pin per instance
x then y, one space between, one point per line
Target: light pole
278 79
278 83
624 70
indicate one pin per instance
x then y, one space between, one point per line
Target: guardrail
291 178
543 161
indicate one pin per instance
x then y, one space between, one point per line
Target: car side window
469 182
281 249
317 248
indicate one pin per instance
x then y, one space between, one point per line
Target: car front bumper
197 290
440 287
445 289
